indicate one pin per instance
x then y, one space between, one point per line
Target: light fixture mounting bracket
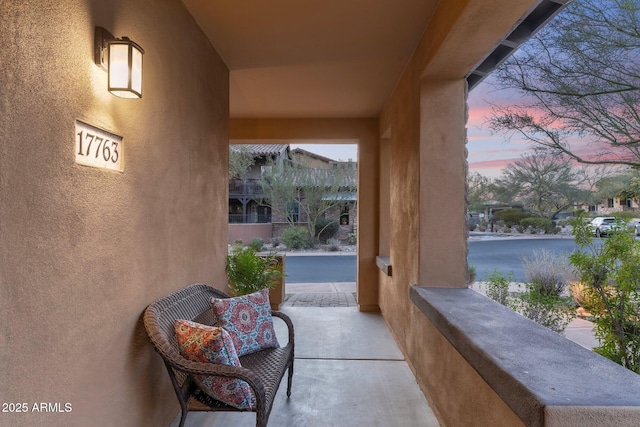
101 42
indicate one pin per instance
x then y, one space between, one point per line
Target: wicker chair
262 370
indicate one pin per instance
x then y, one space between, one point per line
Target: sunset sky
488 154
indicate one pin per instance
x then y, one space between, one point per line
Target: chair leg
183 418
289 379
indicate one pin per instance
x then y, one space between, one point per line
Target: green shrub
472 226
333 245
256 244
551 311
538 224
275 242
295 238
609 272
237 244
326 228
511 216
471 273
352 238
249 272
497 287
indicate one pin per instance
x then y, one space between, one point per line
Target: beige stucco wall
463 398
423 132
84 250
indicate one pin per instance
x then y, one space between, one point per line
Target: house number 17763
97 148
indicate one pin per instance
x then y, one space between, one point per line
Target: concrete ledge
384 264
543 377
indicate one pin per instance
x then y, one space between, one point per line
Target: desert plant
548 272
544 301
471 273
542 224
333 245
511 216
551 311
497 287
352 238
326 229
275 242
295 238
237 244
611 277
256 244
249 272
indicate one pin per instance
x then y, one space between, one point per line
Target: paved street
485 253
320 268
505 254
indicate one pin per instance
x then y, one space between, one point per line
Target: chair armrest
206 368
288 322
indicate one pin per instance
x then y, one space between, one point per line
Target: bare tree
579 84
478 191
545 184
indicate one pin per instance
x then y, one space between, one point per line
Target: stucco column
443 244
368 196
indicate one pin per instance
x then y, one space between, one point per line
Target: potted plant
249 271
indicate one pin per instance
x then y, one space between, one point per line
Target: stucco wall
246 232
423 132
84 250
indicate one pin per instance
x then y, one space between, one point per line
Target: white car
603 225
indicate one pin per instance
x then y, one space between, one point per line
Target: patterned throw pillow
202 343
248 320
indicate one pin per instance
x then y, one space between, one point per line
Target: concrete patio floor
348 372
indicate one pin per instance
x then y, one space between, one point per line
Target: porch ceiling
342 59
333 58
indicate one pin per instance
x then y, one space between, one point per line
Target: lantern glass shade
125 68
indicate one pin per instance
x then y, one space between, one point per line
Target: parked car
634 224
603 225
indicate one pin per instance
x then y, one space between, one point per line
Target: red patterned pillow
248 320
202 343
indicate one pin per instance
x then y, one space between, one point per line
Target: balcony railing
250 218
246 188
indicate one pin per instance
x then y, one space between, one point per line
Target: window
344 215
265 170
593 208
609 203
293 212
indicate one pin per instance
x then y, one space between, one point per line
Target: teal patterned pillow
248 320
202 343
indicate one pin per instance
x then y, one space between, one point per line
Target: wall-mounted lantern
122 58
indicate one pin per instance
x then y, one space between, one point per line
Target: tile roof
264 149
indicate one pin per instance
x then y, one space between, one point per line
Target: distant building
614 204
250 217
245 194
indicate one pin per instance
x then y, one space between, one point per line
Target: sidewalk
328 294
